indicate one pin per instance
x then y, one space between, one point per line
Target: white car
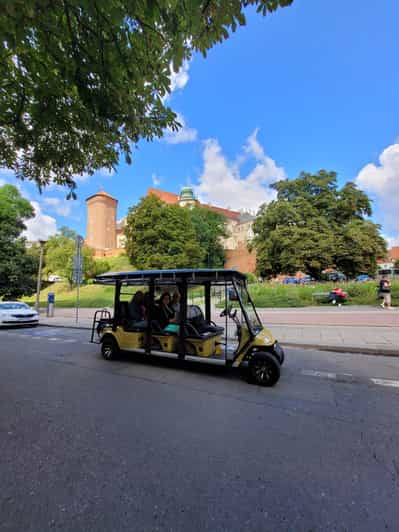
54 278
17 313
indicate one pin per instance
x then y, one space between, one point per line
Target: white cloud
221 182
41 227
184 134
382 181
178 80
62 207
391 240
155 180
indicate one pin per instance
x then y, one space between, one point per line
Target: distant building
389 261
106 235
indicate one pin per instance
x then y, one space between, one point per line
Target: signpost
78 270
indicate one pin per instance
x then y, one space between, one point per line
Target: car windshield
13 306
248 308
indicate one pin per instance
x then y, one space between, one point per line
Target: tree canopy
314 225
210 227
59 252
161 236
17 267
82 81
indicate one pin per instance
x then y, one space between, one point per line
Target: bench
320 296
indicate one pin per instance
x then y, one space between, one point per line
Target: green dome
187 194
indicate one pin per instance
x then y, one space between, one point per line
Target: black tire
263 370
109 348
280 355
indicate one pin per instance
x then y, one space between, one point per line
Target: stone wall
241 259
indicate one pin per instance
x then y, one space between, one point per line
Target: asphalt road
89 445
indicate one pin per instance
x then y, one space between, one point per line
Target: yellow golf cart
209 302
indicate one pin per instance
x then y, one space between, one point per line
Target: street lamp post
39 274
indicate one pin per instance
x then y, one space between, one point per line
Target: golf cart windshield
248 307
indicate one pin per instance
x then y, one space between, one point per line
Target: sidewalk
348 330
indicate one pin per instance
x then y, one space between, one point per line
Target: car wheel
109 348
263 370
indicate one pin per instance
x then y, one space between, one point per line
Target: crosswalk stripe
385 382
324 374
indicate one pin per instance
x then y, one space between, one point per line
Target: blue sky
312 86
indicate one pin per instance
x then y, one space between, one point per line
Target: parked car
54 278
306 279
335 276
17 313
363 278
290 280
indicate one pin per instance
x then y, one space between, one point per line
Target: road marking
385 382
323 374
53 339
68 340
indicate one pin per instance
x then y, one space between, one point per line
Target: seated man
137 311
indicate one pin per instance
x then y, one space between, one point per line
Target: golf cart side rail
191 276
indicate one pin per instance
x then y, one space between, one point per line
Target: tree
17 267
312 225
80 82
161 236
210 227
59 252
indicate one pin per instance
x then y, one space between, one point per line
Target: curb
81 327
346 349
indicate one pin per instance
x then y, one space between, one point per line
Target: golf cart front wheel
109 348
263 370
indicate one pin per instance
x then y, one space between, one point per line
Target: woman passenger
165 313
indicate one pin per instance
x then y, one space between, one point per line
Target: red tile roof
103 194
173 199
393 253
167 197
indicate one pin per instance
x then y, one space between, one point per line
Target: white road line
385 382
53 339
69 340
324 374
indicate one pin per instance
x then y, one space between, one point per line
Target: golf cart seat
126 320
192 332
197 320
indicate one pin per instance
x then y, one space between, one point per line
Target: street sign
78 262
77 276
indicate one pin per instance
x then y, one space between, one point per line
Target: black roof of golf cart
190 276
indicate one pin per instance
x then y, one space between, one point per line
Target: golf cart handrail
190 276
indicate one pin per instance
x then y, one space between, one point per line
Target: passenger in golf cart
191 334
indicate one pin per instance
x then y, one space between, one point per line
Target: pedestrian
384 292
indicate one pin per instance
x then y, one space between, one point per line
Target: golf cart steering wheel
228 312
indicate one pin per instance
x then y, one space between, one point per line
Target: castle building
106 235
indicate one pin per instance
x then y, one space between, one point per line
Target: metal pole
77 279
78 271
39 275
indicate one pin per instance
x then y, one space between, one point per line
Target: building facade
106 235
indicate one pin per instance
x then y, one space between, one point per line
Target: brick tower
101 222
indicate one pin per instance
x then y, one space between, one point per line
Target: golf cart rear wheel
263 370
109 348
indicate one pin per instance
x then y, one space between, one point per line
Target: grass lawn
265 295
91 296
278 295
